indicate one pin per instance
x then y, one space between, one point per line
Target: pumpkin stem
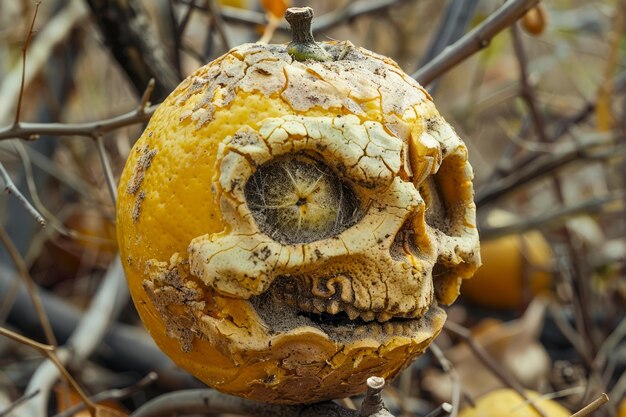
303 46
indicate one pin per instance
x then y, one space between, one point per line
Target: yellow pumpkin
500 282
292 217
507 402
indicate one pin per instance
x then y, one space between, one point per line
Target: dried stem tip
303 46
373 405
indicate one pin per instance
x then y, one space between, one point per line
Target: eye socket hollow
297 199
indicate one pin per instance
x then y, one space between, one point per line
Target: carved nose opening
446 195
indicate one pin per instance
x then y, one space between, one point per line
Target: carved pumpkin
288 228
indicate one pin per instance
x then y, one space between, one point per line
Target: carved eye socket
297 199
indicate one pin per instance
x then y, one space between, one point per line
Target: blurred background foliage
541 108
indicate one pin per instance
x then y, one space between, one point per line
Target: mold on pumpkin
289 228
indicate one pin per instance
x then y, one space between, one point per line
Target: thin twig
17 402
182 25
134 44
218 22
507 166
609 344
31 131
113 394
489 362
10 188
570 333
474 41
321 23
208 401
452 26
551 218
49 352
455 379
106 166
52 34
351 11
540 167
110 298
443 410
55 223
46 164
125 346
593 406
527 92
145 97
31 287
29 36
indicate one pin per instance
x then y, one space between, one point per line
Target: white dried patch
178 300
356 77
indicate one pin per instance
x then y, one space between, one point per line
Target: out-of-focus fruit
535 20
507 402
500 282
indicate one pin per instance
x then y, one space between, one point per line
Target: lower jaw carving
283 314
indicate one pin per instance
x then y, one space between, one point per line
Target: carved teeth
298 293
384 316
320 305
352 312
388 327
368 315
304 303
333 307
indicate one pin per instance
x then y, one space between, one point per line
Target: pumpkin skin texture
288 228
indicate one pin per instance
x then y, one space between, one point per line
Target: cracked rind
300 365
247 92
369 158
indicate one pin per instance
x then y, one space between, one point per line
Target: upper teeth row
333 304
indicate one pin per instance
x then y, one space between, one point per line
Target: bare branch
10 188
49 352
135 45
593 406
113 394
31 131
53 33
321 23
527 92
474 41
452 26
110 298
218 22
551 218
448 368
443 410
542 166
211 401
29 36
106 166
489 362
16 403
31 287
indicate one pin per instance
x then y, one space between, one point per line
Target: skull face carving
290 228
